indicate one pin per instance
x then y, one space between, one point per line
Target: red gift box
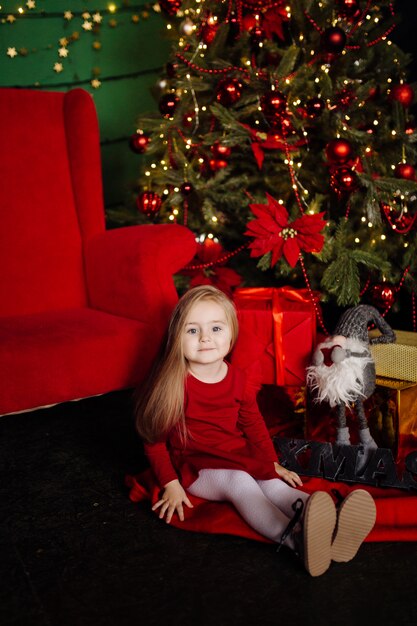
277 333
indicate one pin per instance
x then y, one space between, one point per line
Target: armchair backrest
50 197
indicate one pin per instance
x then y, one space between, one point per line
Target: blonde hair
160 406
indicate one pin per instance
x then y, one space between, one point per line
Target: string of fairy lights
187 27
84 23
398 216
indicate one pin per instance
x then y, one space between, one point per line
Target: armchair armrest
130 270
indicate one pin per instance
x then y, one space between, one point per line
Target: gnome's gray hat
355 321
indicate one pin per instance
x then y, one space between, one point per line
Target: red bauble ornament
349 8
333 39
186 188
170 7
167 104
138 143
405 171
148 202
208 30
257 36
229 91
217 164
171 69
220 152
403 94
339 151
273 103
315 107
383 295
344 180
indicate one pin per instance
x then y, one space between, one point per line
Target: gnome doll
343 371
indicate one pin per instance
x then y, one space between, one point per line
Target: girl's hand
172 500
292 478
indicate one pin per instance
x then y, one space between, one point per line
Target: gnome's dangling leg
342 438
368 443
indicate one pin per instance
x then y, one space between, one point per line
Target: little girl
204 436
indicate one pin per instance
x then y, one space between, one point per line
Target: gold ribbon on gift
276 296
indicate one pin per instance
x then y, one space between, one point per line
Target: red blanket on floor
396 510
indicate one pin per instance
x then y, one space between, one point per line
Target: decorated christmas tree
285 140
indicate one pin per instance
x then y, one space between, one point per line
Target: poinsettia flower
209 268
273 232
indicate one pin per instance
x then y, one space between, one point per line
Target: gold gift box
396 360
392 415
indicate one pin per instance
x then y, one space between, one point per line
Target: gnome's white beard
340 383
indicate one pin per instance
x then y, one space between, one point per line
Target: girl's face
207 335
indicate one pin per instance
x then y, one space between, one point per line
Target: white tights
266 505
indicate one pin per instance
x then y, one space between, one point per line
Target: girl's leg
282 495
244 493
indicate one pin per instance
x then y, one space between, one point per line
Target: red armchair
82 309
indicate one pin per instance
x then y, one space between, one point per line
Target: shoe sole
318 528
356 519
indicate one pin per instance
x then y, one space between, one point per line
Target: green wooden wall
124 51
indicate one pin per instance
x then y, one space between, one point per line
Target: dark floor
75 551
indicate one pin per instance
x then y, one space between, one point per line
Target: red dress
225 431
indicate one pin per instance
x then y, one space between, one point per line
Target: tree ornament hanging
339 151
170 7
333 39
349 9
148 202
405 171
139 142
217 164
257 36
344 180
403 94
383 295
229 91
171 69
273 103
208 30
167 105
219 151
186 28
234 29
315 107
186 189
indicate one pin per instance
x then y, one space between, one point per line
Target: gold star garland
91 22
